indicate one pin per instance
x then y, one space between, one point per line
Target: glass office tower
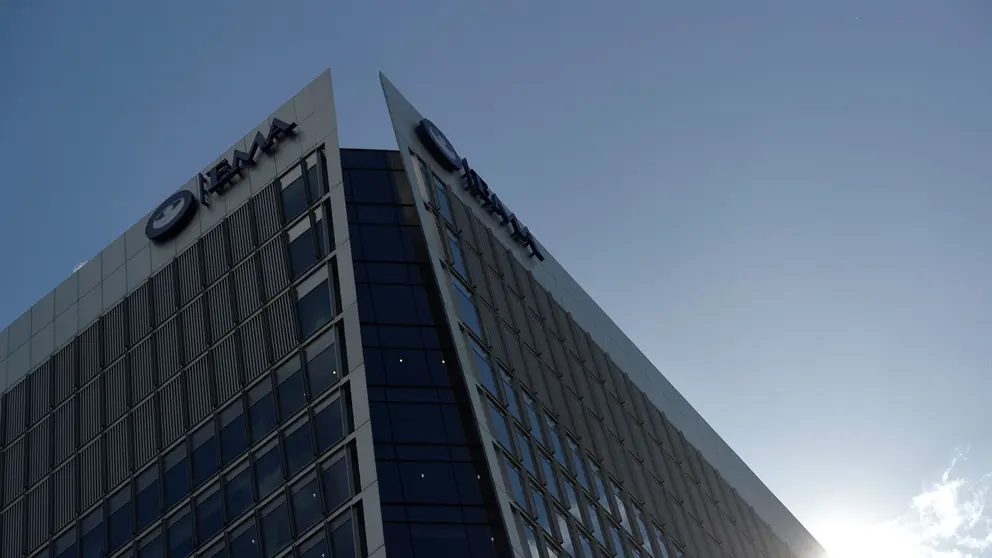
311 351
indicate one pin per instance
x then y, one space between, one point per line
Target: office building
312 351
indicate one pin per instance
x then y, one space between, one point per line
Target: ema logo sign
177 210
171 216
445 154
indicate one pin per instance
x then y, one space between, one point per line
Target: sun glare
854 539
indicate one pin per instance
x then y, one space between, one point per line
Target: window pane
299 448
337 485
617 541
523 446
509 395
120 519
181 537
275 529
233 438
302 253
290 388
244 543
314 549
580 472
586 546
149 499
306 506
330 425
500 431
152 547
530 540
483 368
314 177
294 195
565 534
597 476
549 477
516 483
661 542
555 439
209 516
261 410
238 493
314 309
593 523
571 499
541 507
204 454
176 476
65 546
344 541
621 507
457 260
466 308
444 208
268 470
532 416
322 363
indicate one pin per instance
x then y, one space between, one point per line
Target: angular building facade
319 352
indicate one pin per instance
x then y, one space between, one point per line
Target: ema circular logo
439 145
171 216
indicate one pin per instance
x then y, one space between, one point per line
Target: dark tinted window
176 476
181 537
306 505
239 493
370 186
466 309
65 546
261 410
289 387
205 459
483 368
314 309
268 470
91 542
330 425
322 363
244 543
457 259
315 177
233 438
499 429
151 547
275 529
299 448
149 499
294 194
523 448
120 519
516 483
316 548
344 541
441 198
302 253
209 516
337 486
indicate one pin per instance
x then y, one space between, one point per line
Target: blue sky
783 203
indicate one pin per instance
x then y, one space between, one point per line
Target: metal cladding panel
282 325
253 346
246 288
265 206
89 353
38 516
227 368
66 423
139 309
16 410
240 229
215 254
118 398
194 326
275 272
91 465
115 332
220 310
190 271
198 386
142 365
90 411
64 481
144 421
40 443
41 392
13 471
167 350
164 297
64 372
13 531
173 397
118 454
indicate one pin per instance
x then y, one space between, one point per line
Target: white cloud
949 518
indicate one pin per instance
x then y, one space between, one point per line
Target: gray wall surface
563 302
